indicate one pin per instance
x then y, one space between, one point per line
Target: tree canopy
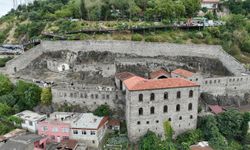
102 110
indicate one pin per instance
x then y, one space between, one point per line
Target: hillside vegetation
61 16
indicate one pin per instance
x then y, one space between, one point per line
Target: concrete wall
156 120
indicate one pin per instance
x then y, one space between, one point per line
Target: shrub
234 50
137 37
196 41
46 96
190 137
246 46
4 60
154 38
199 35
102 110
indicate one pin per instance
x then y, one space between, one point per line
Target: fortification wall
23 60
128 47
237 85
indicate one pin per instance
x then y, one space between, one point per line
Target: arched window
178 95
165 109
190 106
140 111
152 96
191 116
166 95
178 107
191 93
152 110
180 118
63 67
140 97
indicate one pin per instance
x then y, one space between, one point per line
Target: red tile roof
114 122
68 144
124 75
138 83
103 121
183 73
216 109
158 73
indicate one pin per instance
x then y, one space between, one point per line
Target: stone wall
154 122
128 47
90 96
237 85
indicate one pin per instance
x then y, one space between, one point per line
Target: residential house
210 4
25 142
89 128
114 124
30 120
57 126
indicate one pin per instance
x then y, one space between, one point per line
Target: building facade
30 120
90 96
90 129
210 4
149 103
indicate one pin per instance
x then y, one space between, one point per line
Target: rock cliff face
99 67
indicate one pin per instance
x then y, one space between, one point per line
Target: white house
89 128
30 120
210 4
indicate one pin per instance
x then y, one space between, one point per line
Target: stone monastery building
151 102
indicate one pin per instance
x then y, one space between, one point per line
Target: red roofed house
114 124
210 4
120 77
159 74
216 109
181 73
149 103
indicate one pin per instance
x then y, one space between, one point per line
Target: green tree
82 9
9 99
190 137
150 141
208 126
191 7
235 22
229 123
46 96
29 95
5 110
5 85
102 110
168 130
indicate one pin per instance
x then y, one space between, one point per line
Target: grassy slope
59 27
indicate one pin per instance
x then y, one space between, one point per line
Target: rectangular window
92 132
84 132
45 128
54 129
65 130
75 131
30 123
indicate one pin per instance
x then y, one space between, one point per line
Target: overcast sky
5 6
